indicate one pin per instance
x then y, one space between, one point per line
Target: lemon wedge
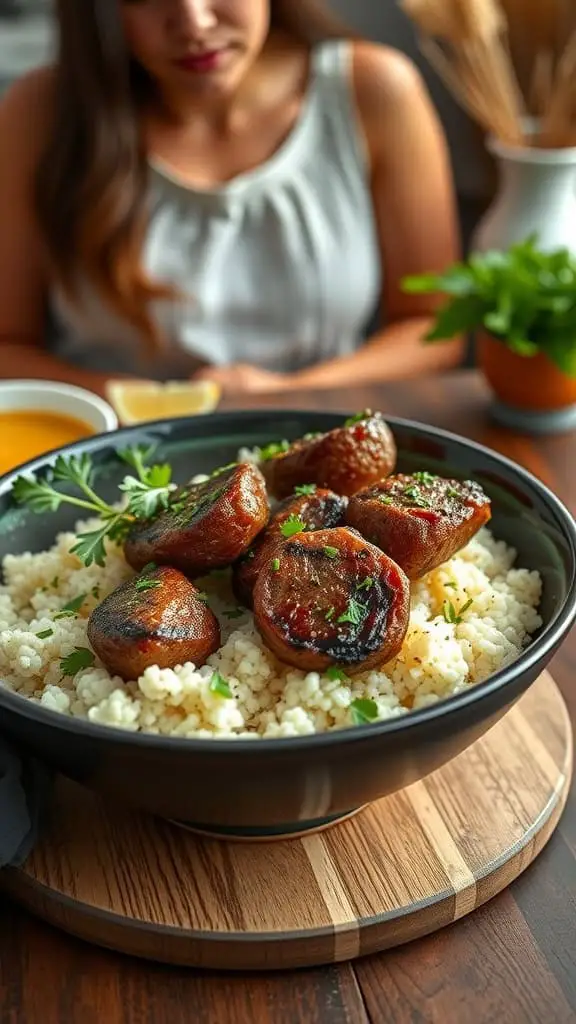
143 401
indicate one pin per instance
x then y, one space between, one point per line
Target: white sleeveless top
282 263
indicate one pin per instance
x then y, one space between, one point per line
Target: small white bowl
51 396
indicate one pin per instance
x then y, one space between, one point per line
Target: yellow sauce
26 433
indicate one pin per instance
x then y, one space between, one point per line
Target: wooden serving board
401 868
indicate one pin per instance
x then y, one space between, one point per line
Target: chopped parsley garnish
220 686
354 613
331 552
95 592
147 492
234 613
363 711
366 584
336 675
275 565
292 526
305 490
70 610
416 497
145 583
271 450
80 658
452 585
45 634
451 615
385 499
423 477
201 596
357 418
330 614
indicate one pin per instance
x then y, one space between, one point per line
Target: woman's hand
241 377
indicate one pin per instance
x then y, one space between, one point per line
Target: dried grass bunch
504 61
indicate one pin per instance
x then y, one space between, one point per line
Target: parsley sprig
147 492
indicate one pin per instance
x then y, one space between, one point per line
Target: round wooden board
403 867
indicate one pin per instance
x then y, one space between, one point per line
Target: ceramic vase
536 196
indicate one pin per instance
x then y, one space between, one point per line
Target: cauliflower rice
438 659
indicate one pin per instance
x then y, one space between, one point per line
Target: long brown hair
92 182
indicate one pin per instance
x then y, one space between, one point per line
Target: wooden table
512 962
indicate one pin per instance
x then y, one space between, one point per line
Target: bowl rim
553 634
57 387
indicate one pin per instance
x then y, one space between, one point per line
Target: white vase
536 196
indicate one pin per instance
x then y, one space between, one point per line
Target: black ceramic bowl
278 786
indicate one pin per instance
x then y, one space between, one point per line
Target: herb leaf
275 565
363 711
331 552
38 495
366 584
358 417
305 490
146 498
146 583
354 613
90 546
70 610
336 675
80 658
76 469
220 686
271 450
292 526
45 633
451 615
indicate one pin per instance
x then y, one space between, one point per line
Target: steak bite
206 526
156 618
315 509
421 520
344 460
330 598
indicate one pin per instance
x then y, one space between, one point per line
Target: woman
202 188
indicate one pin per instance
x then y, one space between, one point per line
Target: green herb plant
147 493
523 296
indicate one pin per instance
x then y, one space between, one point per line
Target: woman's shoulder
391 96
26 110
383 77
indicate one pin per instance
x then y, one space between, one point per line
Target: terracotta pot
529 383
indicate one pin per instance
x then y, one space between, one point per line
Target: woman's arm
24 120
416 217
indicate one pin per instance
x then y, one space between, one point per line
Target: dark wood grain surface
512 962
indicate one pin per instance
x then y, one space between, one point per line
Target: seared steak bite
315 509
206 526
420 520
344 460
156 618
330 598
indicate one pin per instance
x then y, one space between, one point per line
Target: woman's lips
209 60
